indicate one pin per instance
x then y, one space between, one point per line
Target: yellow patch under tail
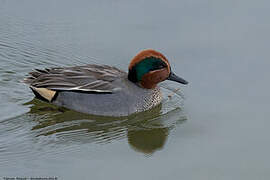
45 93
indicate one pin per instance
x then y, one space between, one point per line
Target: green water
216 127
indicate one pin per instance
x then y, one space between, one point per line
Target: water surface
217 127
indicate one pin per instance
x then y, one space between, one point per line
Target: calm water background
220 131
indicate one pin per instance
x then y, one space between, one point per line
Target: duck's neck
132 75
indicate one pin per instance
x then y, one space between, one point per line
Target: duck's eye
161 66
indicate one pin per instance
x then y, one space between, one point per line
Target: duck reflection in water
146 132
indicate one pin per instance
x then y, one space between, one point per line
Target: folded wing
89 78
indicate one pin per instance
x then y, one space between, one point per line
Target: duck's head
150 67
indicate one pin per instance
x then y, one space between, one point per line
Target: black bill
175 78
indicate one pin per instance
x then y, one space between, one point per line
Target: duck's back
93 89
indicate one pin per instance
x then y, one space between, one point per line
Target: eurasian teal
105 90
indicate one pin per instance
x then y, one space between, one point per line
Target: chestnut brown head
150 67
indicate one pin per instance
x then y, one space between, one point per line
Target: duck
105 90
